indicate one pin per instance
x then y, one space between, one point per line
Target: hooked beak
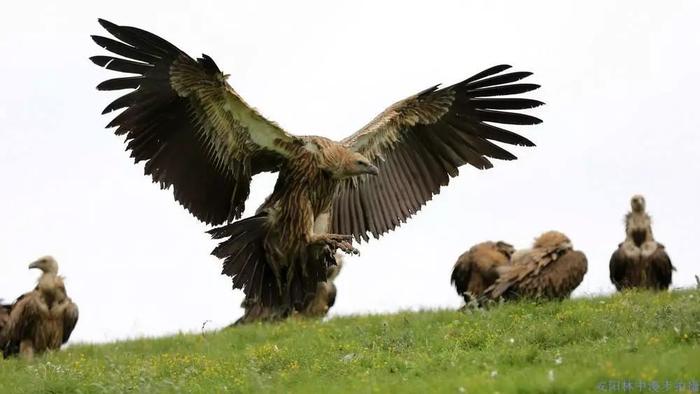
34 265
373 170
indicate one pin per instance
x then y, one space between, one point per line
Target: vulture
475 270
196 134
551 269
640 261
41 319
316 305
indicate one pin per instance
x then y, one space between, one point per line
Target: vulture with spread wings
196 134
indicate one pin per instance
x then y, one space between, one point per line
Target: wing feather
194 131
661 268
70 319
419 143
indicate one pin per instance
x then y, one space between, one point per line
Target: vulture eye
360 163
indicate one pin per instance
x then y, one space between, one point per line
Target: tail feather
264 281
245 260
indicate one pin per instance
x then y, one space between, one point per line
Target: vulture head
638 204
345 163
50 285
46 264
552 239
505 248
638 222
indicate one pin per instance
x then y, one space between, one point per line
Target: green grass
568 346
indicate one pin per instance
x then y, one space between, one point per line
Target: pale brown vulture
475 270
551 269
41 319
640 261
316 305
196 134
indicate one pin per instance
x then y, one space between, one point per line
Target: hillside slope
582 345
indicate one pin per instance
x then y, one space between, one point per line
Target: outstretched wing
192 129
419 143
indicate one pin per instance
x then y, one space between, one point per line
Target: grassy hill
581 345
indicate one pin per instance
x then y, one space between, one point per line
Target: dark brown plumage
196 134
41 319
552 269
475 270
640 261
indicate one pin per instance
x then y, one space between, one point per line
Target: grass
569 346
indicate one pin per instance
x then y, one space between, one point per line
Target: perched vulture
42 319
552 269
640 261
196 134
475 270
316 304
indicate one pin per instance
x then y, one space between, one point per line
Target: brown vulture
316 305
196 134
41 319
552 269
475 270
640 261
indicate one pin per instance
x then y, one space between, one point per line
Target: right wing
419 143
195 132
618 267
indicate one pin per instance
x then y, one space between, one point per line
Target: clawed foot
337 241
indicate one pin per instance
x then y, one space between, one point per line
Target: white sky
620 81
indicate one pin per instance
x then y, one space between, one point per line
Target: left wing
194 131
419 143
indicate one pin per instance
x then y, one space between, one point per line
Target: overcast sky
620 80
